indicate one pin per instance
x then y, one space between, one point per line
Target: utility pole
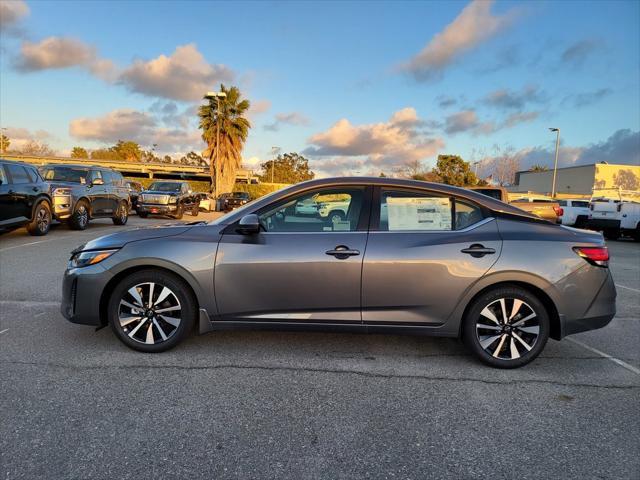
555 163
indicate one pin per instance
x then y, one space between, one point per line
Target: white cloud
509 99
62 52
474 25
377 146
292 118
468 121
19 137
184 75
11 12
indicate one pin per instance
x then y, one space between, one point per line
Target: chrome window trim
467 229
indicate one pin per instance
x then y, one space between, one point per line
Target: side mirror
249 225
97 181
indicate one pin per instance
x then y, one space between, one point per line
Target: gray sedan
406 256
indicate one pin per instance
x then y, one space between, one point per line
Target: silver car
407 256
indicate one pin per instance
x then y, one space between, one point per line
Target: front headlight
83 259
172 199
61 192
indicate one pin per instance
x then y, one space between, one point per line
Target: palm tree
234 129
538 168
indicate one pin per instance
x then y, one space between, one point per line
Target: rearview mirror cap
249 225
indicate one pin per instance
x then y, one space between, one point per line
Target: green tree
192 158
128 150
79 152
5 142
105 154
233 128
453 170
287 168
538 168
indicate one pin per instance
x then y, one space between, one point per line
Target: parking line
628 288
27 244
631 368
5 330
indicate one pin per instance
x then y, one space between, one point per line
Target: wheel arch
43 197
117 278
548 303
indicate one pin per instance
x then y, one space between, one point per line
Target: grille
158 199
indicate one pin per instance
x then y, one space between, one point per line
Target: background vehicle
134 191
575 213
169 198
409 256
24 198
615 218
82 192
543 207
229 201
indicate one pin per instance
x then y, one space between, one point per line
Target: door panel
289 277
418 277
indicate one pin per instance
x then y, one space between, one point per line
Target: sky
356 87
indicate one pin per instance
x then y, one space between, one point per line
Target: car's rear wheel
611 233
122 214
506 327
151 310
143 214
179 212
41 221
80 216
195 210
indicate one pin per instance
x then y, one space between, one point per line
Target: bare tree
504 164
36 149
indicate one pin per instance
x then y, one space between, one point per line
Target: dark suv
83 192
24 198
168 198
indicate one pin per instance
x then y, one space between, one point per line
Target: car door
424 250
97 193
20 192
6 201
297 269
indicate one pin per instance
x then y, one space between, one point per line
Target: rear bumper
598 315
157 209
603 223
81 292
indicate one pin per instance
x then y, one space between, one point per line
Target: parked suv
83 192
134 192
168 198
24 198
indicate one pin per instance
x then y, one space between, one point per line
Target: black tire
498 352
335 215
611 234
143 214
41 221
121 214
195 210
117 311
80 217
179 212
636 233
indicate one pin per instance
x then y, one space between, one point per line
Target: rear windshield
65 174
580 204
165 187
240 195
489 192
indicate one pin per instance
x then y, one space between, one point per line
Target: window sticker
418 213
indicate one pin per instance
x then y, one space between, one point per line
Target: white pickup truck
575 213
615 218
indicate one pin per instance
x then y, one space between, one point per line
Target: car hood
159 192
120 239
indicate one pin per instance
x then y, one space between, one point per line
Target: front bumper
62 206
157 209
599 314
81 293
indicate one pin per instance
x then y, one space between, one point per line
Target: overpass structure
138 169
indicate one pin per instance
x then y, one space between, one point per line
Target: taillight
559 211
598 256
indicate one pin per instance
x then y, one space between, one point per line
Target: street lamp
217 96
274 152
555 163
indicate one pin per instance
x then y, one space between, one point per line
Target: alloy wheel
42 219
83 215
507 328
149 313
123 213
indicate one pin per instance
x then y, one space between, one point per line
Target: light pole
274 152
217 96
555 163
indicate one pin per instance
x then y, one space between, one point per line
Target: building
605 179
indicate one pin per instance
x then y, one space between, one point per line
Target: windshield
240 195
65 174
165 187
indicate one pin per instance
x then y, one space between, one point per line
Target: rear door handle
477 250
342 252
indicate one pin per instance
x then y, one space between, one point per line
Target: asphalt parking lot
78 404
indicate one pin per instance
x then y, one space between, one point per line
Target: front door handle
342 252
477 250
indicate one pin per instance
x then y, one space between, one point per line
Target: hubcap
123 213
82 215
149 313
507 328
42 219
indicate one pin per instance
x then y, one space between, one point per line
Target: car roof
75 165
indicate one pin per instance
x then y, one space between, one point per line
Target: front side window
19 174
327 210
3 177
414 211
94 175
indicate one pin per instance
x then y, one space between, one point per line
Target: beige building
581 180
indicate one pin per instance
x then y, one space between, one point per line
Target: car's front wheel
195 210
151 310
41 221
122 214
506 327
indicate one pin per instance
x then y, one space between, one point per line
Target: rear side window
33 174
3 176
563 203
19 174
414 211
116 178
466 214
